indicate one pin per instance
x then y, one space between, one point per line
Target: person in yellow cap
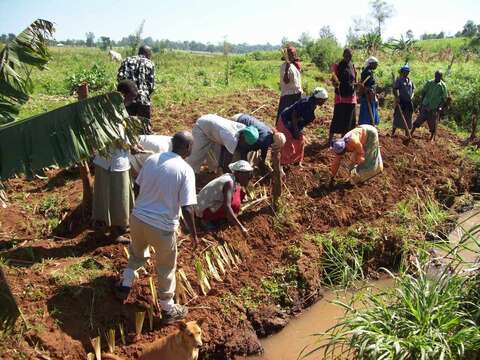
221 198
293 120
215 141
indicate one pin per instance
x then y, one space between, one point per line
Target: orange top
355 141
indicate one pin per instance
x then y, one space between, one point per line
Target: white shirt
154 144
211 196
118 160
220 130
294 86
166 183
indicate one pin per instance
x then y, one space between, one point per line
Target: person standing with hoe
290 80
344 78
434 98
369 114
403 90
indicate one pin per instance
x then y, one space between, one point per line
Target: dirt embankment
63 283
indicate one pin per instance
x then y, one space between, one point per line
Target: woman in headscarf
368 100
221 198
404 91
290 80
344 78
292 121
363 143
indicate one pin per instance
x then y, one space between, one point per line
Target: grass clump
281 285
421 318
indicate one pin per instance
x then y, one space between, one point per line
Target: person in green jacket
434 98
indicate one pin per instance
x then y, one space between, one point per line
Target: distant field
183 77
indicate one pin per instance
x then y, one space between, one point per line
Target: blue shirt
305 109
265 135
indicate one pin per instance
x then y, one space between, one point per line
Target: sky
249 21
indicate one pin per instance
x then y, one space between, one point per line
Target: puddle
297 335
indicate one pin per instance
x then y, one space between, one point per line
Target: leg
201 147
137 250
120 204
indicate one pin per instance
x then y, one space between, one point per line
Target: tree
304 39
135 39
409 34
469 29
381 11
105 43
28 49
90 39
326 33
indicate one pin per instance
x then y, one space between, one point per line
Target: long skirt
407 110
112 197
343 119
365 117
286 101
373 163
292 151
237 196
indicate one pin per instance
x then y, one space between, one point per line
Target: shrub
324 52
96 78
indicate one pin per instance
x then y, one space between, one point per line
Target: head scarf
339 146
240 165
291 51
320 93
371 60
250 133
405 68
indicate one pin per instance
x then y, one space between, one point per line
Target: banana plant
27 50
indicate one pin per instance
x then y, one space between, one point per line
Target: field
62 273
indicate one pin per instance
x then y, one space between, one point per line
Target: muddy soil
65 313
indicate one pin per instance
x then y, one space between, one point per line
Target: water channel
297 335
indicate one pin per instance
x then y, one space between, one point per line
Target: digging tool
406 141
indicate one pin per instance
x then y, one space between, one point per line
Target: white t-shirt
220 130
211 196
154 144
166 183
294 86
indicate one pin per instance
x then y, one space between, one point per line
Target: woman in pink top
344 77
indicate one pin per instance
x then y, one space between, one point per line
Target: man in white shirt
216 139
151 144
167 183
112 193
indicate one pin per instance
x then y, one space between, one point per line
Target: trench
297 335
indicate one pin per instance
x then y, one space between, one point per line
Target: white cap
320 93
236 116
240 165
371 60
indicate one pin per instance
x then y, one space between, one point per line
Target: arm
227 205
359 152
225 159
151 80
121 74
188 215
335 165
286 78
295 120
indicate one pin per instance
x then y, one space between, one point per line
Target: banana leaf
28 49
66 135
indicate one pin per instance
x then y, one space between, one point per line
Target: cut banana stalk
186 284
224 255
229 254
212 268
202 277
218 260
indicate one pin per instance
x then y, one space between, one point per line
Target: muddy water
288 343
